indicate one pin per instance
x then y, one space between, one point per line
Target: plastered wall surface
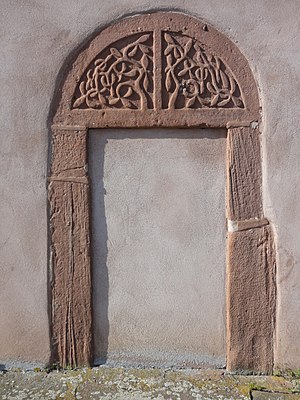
158 245
36 38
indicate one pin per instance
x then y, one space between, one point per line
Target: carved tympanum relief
194 78
122 76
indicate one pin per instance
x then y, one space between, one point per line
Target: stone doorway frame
217 90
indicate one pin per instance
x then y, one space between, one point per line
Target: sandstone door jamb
160 70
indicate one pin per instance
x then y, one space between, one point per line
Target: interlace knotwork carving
121 77
193 78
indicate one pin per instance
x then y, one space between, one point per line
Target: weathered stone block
70 273
69 153
244 179
250 300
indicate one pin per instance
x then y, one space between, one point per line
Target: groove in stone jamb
242 124
244 225
71 179
69 128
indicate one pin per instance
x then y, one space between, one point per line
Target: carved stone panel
120 77
195 78
162 64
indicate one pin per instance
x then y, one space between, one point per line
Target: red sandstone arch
169 70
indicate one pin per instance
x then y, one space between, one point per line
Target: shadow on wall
99 252
99 232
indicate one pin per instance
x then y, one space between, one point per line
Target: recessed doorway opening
158 246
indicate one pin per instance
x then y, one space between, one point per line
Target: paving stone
261 395
138 384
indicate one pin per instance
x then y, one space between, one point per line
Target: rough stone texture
260 395
251 300
70 274
135 384
68 154
158 249
244 179
36 38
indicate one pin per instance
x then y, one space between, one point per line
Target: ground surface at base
134 384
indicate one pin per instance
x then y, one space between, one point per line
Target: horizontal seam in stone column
242 124
235 226
71 179
69 128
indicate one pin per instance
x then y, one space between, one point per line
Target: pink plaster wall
36 38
